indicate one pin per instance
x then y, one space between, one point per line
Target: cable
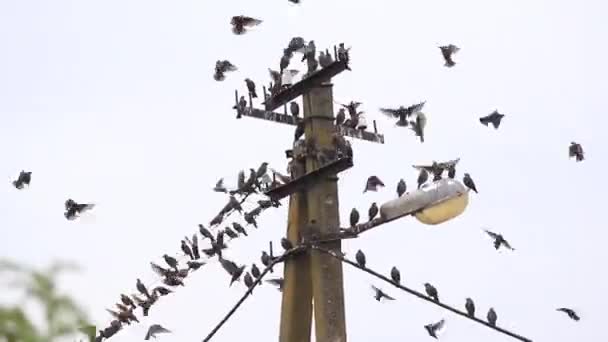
418 294
250 290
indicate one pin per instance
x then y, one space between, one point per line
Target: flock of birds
259 181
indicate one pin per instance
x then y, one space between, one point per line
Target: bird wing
375 288
158 269
571 152
492 234
377 180
387 296
276 281
415 108
229 266
506 244
439 325
220 183
393 113
249 21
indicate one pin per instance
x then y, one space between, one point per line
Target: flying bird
278 282
354 217
251 88
372 184
219 186
447 52
73 209
24 178
232 269
431 291
401 188
360 257
470 306
373 211
240 23
499 240
468 181
423 176
492 317
418 125
395 275
222 67
403 113
576 150
494 118
571 313
433 328
379 294
155 329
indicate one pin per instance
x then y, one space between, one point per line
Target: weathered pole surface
296 306
323 217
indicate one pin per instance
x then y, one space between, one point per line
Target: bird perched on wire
494 118
251 88
468 181
24 178
499 240
431 291
470 306
379 294
373 211
372 184
576 150
241 22
354 217
492 317
222 67
571 313
447 52
360 258
155 329
73 209
395 275
434 328
233 269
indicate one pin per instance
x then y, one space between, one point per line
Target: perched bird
286 244
325 59
423 176
277 282
354 217
186 249
126 300
262 169
494 118
195 251
239 228
251 88
255 271
248 280
360 257
373 211
492 317
24 178
240 22
431 291
231 233
219 186
372 184
395 275
73 209
232 269
576 150
194 265
468 181
447 52
155 329
161 290
309 51
452 171
171 261
470 306
343 54
266 260
294 108
340 117
401 188
379 294
240 107
499 240
571 313
433 328
418 125
142 288
299 131
205 233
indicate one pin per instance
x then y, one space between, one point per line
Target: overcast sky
113 102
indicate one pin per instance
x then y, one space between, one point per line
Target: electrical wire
419 295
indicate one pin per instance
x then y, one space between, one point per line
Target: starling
186 249
221 67
431 291
173 281
492 317
395 275
161 290
576 150
250 219
499 240
294 108
240 22
286 244
447 52
354 217
401 188
433 328
468 181
372 184
422 177
571 313
299 131
360 257
232 269
155 329
340 117
262 170
73 209
126 300
217 219
238 228
277 282
195 251
255 271
494 118
205 233
309 51
452 171
402 113
219 186
470 306
142 288
194 265
343 54
379 294
171 261
231 233
24 178
251 88
266 260
373 211
418 125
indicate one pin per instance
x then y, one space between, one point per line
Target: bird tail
496 124
449 64
254 95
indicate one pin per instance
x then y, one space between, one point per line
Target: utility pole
312 277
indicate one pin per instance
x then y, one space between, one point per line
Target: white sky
113 102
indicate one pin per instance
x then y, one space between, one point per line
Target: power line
258 281
420 295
